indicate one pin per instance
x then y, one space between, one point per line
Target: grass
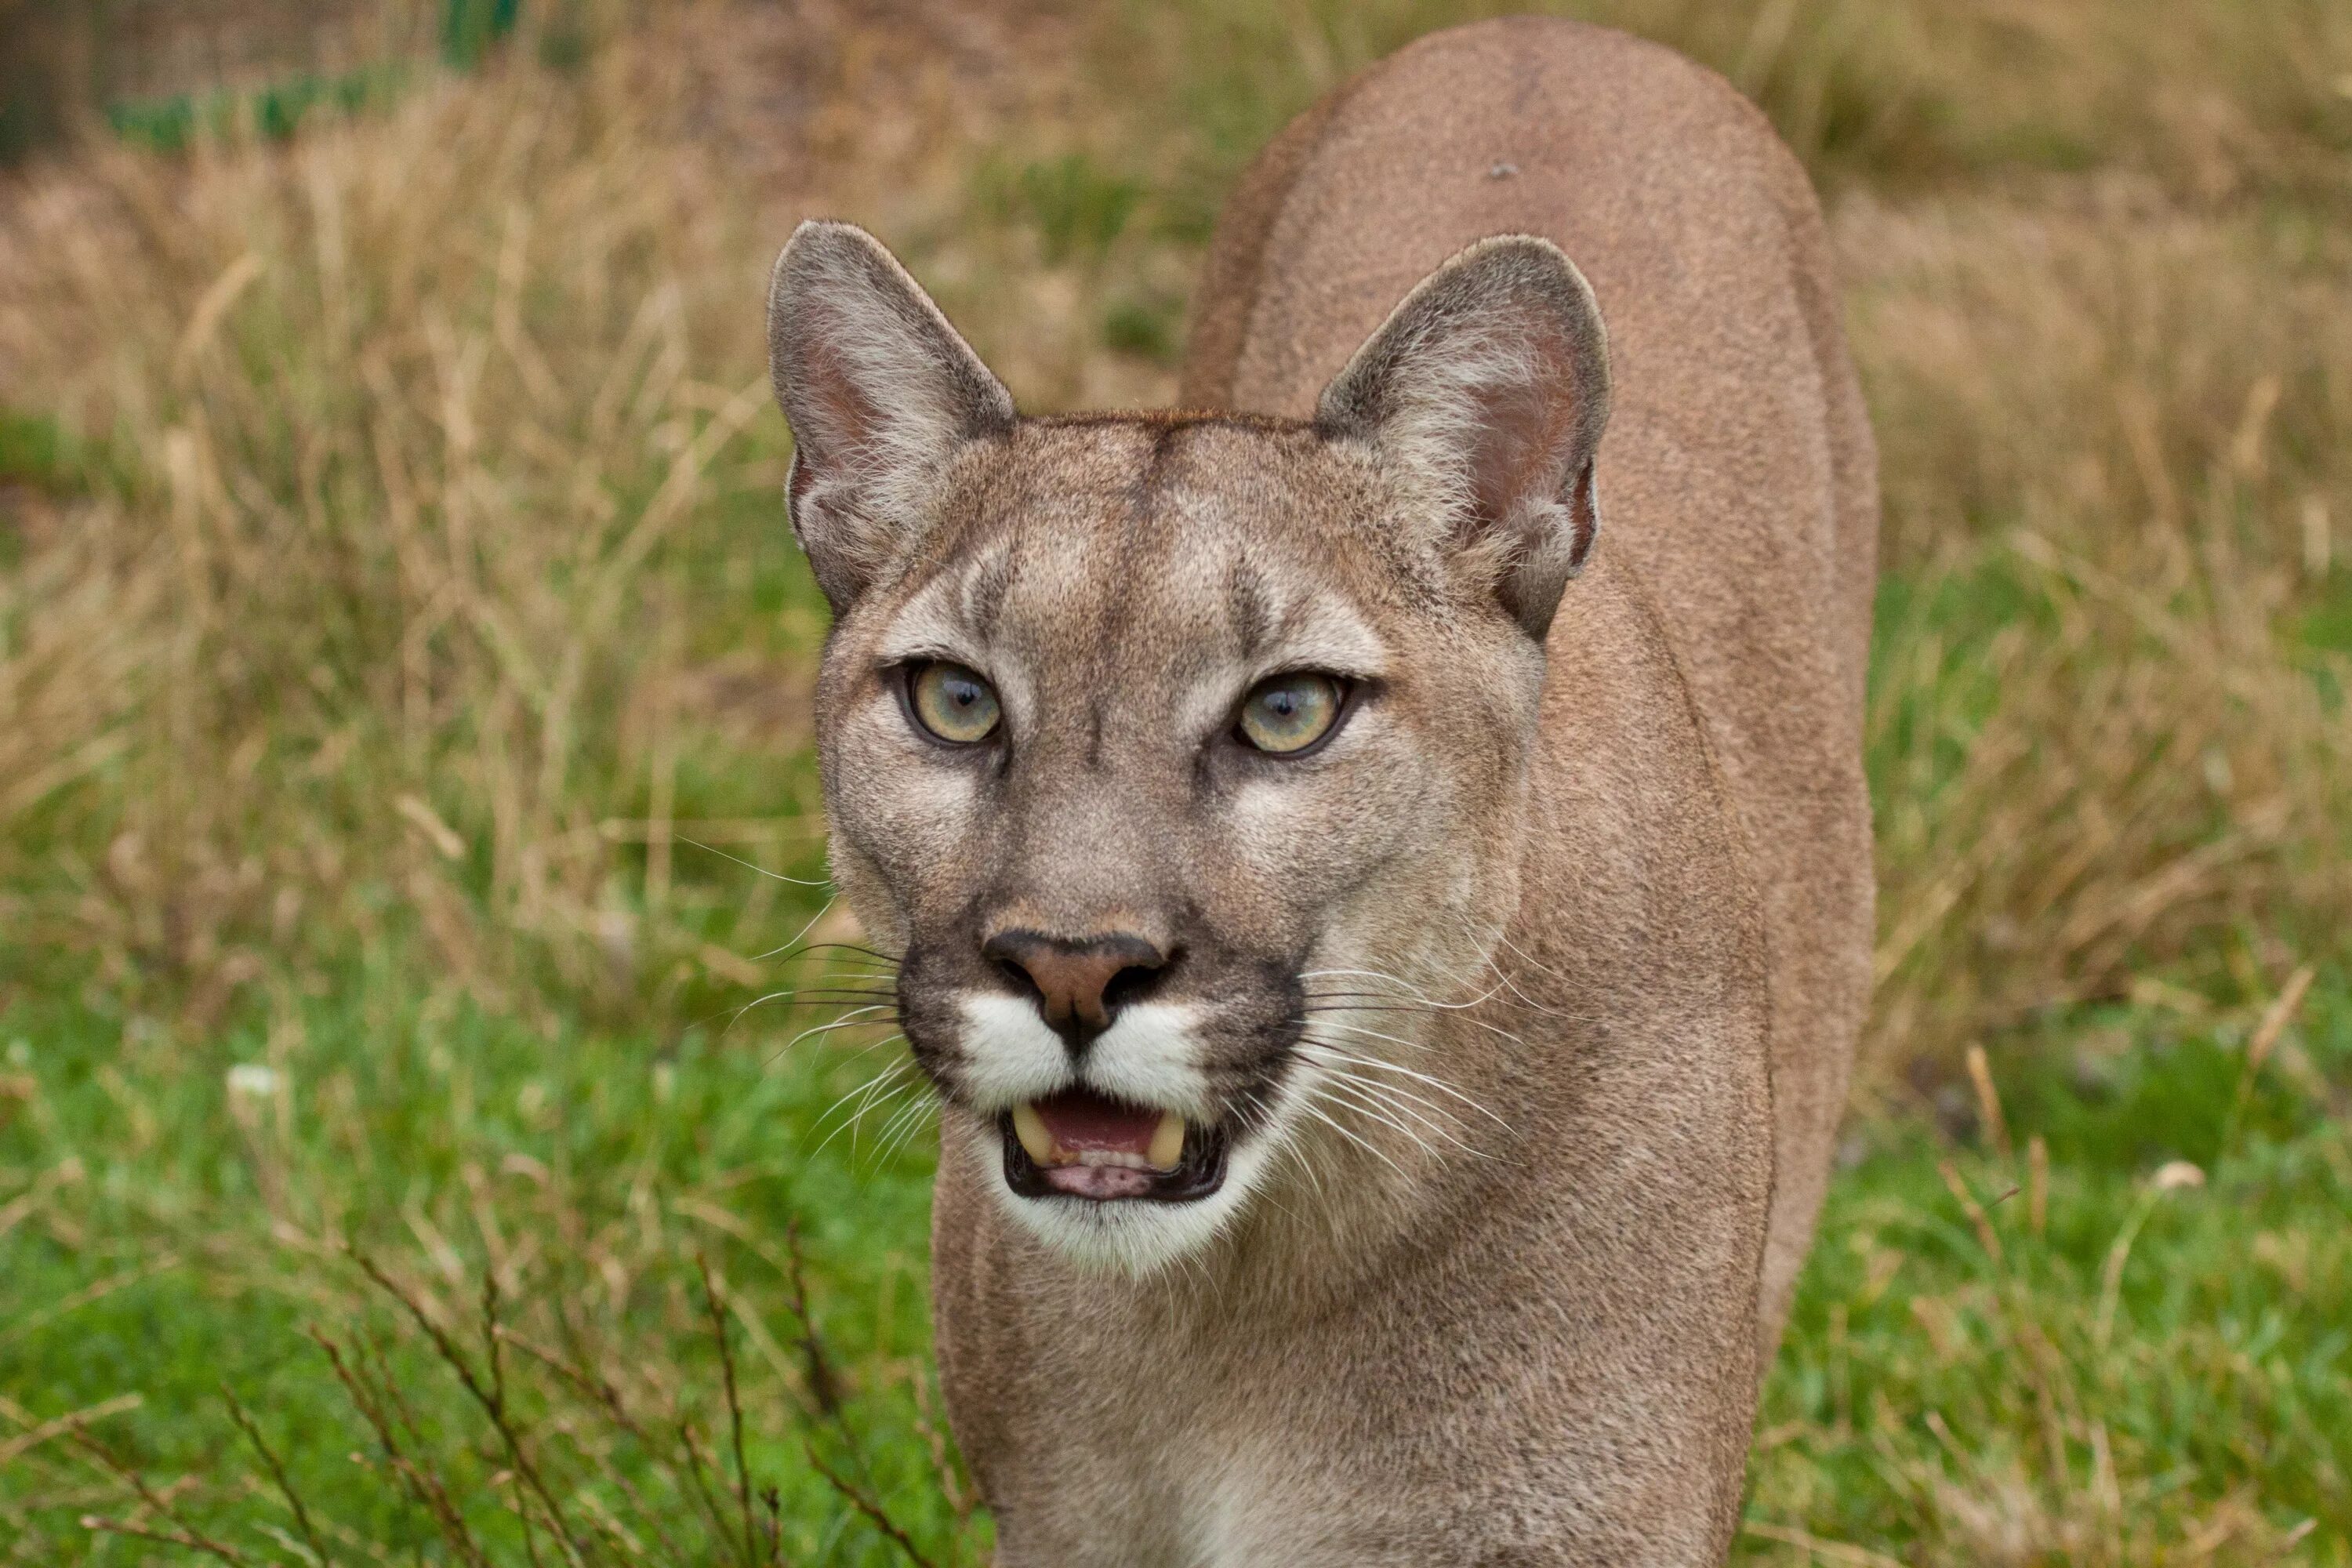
2110 1331
2111 1362
223 1234
401 656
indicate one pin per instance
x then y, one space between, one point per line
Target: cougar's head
1172 754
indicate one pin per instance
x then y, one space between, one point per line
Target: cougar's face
1158 748
1161 747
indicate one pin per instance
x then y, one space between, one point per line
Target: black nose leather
1079 984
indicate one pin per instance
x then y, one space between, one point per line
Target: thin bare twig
33 1436
734 1408
773 1502
245 1424
873 1510
184 1540
492 1400
187 1535
824 1387
697 1470
422 1485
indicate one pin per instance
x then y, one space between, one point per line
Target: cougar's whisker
1400 1068
1330 1052
865 1093
1260 1121
1502 940
1411 990
1351 1094
801 935
850 1020
755 866
1309 1108
869 1048
1345 1071
1334 1087
926 1114
795 991
1288 1145
886 960
858 1122
831 999
817 992
1424 1012
903 1123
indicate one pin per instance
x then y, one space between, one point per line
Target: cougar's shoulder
1739 479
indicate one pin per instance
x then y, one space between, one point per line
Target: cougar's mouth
1080 1144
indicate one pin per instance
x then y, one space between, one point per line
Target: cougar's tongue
1081 1123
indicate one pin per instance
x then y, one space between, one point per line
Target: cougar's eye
952 702
1286 713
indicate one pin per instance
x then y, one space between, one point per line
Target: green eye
954 703
1288 714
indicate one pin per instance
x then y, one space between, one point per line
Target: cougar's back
1737 476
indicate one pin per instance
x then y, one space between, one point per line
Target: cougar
1387 943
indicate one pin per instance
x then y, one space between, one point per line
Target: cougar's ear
1489 386
879 392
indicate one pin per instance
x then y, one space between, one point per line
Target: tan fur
1739 475
1487 989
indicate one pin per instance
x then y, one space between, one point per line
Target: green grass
2139 1358
195 1205
168 1232
176 123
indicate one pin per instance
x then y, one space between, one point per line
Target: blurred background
437 1119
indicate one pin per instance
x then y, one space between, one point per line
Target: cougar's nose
1079 985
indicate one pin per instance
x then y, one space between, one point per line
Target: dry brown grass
419 474
2121 427
2214 100
421 462
398 435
